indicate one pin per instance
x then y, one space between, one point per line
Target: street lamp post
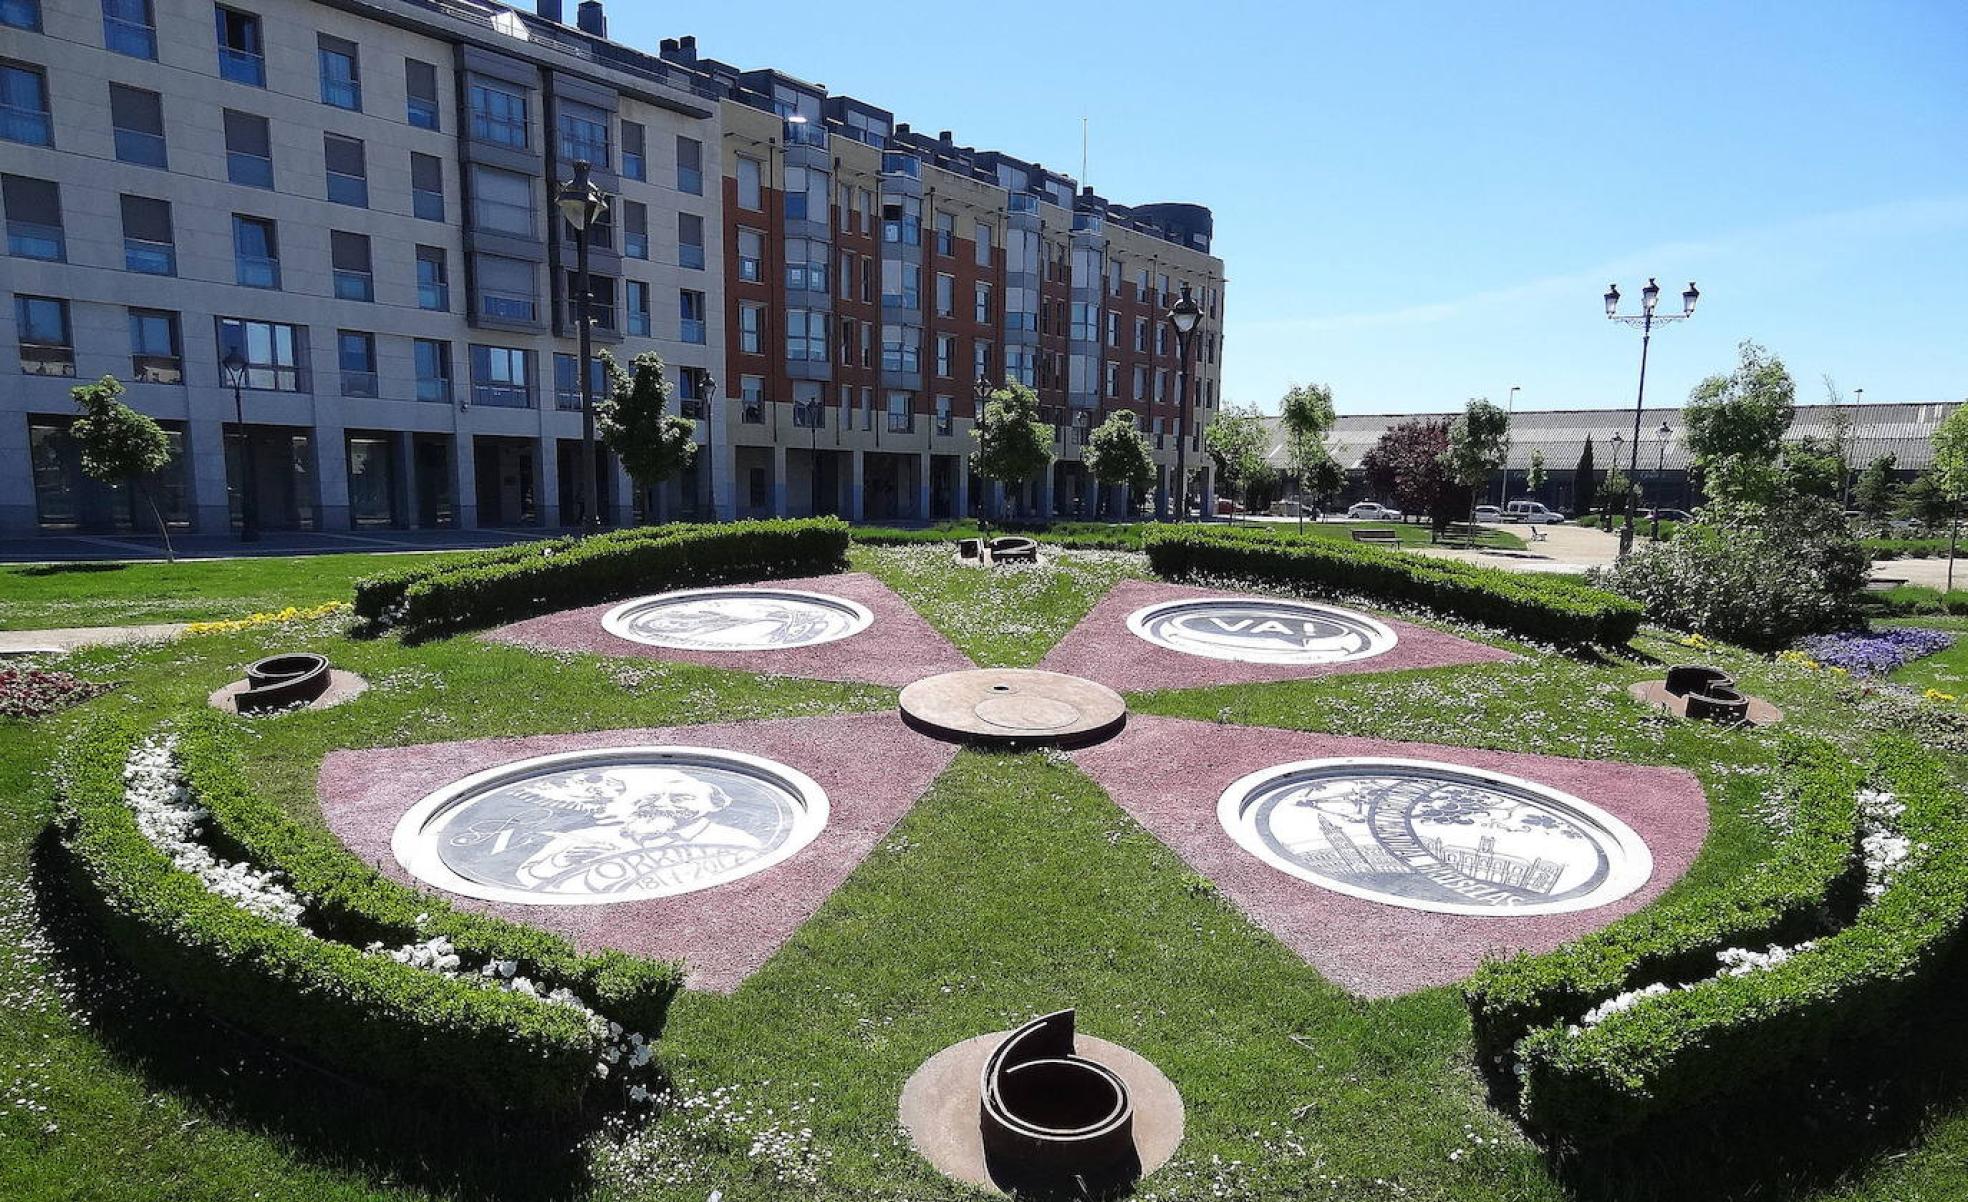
708 387
1660 468
234 367
583 204
1184 315
1858 399
1509 408
1618 440
1645 319
980 393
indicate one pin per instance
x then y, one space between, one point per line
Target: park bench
1466 534
1378 536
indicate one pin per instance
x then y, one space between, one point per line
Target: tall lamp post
1618 440
1509 408
1645 319
980 393
234 367
583 204
708 386
1184 316
1858 399
1660 468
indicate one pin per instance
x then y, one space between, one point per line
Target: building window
751 392
690 316
242 53
806 265
355 352
156 350
806 194
341 74
255 252
348 172
1086 322
502 202
901 412
690 166
946 356
427 186
601 299
433 360
272 351
980 359
583 134
502 377
901 285
1113 379
498 114
690 241
46 348
1140 383
946 422
751 253
901 348
946 295
806 336
748 184
21 14
809 405
751 329
635 229
983 240
902 221
249 150
355 277
982 307
506 289
137 117
420 94
638 299
24 106
946 233
567 381
1020 365
433 281
148 245
34 220
1141 334
130 27
601 231
635 155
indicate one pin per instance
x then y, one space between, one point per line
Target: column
1209 493
403 480
778 482
922 487
464 481
329 446
1045 493
545 451
963 488
1161 492
724 482
624 491
1119 503
856 485
205 448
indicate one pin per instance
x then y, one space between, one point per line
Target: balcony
805 133
434 392
1023 202
359 383
906 165
502 396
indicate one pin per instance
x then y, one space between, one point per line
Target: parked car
1227 508
1532 512
1667 515
1373 511
1488 513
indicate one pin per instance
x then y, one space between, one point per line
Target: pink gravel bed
1102 648
872 767
1169 774
899 647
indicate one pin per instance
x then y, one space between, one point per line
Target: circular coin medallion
1437 837
613 824
1262 630
737 619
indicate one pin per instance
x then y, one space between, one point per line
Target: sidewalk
55 642
77 548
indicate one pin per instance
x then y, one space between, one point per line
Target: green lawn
1013 887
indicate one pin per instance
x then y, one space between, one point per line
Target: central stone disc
1013 705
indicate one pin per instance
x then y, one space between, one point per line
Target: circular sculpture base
342 686
1005 706
751 618
1262 630
940 1111
1655 694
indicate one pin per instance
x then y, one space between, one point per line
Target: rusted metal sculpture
281 681
1014 548
1051 1117
1708 693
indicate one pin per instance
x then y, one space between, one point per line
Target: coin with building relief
1433 836
1262 630
737 619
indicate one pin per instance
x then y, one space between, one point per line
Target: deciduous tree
1117 454
1736 425
632 419
120 445
1478 438
1410 465
1236 440
1950 474
1013 444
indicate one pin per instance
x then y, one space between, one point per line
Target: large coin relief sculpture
737 619
620 824
1262 630
1435 837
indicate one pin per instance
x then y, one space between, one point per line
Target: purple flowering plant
1875 652
31 692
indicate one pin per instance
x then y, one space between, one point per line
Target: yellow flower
292 613
1937 695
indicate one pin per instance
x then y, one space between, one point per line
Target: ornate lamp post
1645 319
709 387
1184 315
1660 467
1618 440
583 204
981 393
234 368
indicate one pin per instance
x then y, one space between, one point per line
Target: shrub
1552 610
32 692
1759 575
365 1015
622 564
1905 548
1086 536
377 595
1731 1038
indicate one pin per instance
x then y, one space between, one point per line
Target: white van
1532 512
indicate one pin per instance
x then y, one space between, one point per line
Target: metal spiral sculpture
279 681
1051 1117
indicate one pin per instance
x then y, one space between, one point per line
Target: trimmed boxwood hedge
376 595
364 1015
1547 609
506 587
1809 884
1731 1039
358 905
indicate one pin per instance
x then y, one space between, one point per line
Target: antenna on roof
1083 148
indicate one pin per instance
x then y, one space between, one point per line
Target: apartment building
320 234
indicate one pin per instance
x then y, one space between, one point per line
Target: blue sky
1419 203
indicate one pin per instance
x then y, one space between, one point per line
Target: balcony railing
502 396
895 163
359 383
435 392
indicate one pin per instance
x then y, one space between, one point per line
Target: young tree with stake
632 419
1117 454
1013 443
120 445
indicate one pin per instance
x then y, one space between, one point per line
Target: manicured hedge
1730 1040
1088 536
364 1015
613 566
1551 610
360 906
1809 884
1906 548
376 595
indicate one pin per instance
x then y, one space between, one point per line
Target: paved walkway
1931 573
74 548
32 642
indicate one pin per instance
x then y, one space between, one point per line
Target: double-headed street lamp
1184 316
583 204
1645 319
234 367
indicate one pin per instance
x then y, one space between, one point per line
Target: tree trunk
164 532
1954 539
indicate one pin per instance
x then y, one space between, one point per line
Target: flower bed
1537 607
1875 652
258 621
32 692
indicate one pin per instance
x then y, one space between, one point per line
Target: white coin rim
1381 638
419 855
1632 866
616 621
